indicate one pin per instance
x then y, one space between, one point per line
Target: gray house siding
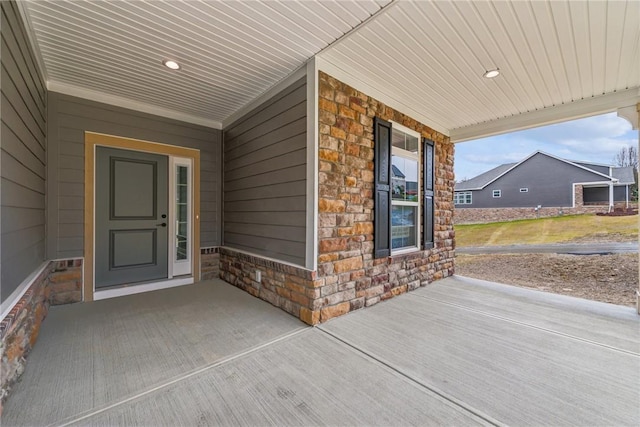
70 117
265 178
23 155
549 182
598 168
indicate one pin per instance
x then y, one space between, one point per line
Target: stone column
578 199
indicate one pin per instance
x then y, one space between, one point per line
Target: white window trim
499 194
463 194
411 156
181 267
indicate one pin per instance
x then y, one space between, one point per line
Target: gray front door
131 217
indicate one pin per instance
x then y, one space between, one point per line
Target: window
181 229
524 190
403 205
405 191
497 194
462 198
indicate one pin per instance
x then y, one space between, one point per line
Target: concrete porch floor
458 352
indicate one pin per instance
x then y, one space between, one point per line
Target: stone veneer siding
209 263
293 289
352 277
60 282
578 196
484 215
348 277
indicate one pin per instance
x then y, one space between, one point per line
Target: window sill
405 251
405 254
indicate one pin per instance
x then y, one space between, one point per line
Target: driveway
556 248
457 352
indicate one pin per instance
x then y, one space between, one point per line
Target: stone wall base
484 215
65 282
314 299
209 263
285 286
60 282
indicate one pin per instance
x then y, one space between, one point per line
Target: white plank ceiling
425 58
230 52
428 58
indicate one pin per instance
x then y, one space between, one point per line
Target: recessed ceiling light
492 73
171 64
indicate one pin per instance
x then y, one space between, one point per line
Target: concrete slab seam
457 402
528 325
88 414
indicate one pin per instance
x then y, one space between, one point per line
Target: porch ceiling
230 52
558 60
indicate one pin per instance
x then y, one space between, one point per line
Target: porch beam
550 115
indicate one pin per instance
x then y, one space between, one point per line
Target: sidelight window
182 226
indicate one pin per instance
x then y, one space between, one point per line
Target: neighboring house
542 180
267 159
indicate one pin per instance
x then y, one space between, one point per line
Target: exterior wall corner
349 277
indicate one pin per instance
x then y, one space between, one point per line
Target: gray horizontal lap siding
70 117
598 168
549 180
22 156
265 178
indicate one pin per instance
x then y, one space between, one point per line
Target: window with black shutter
398 207
382 195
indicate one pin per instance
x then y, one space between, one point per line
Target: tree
628 156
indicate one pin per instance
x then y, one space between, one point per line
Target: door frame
91 141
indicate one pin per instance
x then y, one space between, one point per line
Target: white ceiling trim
630 114
119 101
370 88
578 109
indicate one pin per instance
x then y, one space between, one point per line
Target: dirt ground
606 278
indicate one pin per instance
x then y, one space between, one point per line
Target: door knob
164 224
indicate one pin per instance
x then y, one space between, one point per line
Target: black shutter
427 211
382 196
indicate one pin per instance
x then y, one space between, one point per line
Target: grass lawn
562 229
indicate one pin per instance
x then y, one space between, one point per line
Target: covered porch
459 352
262 156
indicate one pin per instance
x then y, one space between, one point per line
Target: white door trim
92 140
140 288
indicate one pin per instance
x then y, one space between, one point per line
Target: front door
131 208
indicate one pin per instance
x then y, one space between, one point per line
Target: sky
594 139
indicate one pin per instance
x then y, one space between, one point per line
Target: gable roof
396 172
624 175
481 181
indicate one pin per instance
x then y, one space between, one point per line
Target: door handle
164 224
